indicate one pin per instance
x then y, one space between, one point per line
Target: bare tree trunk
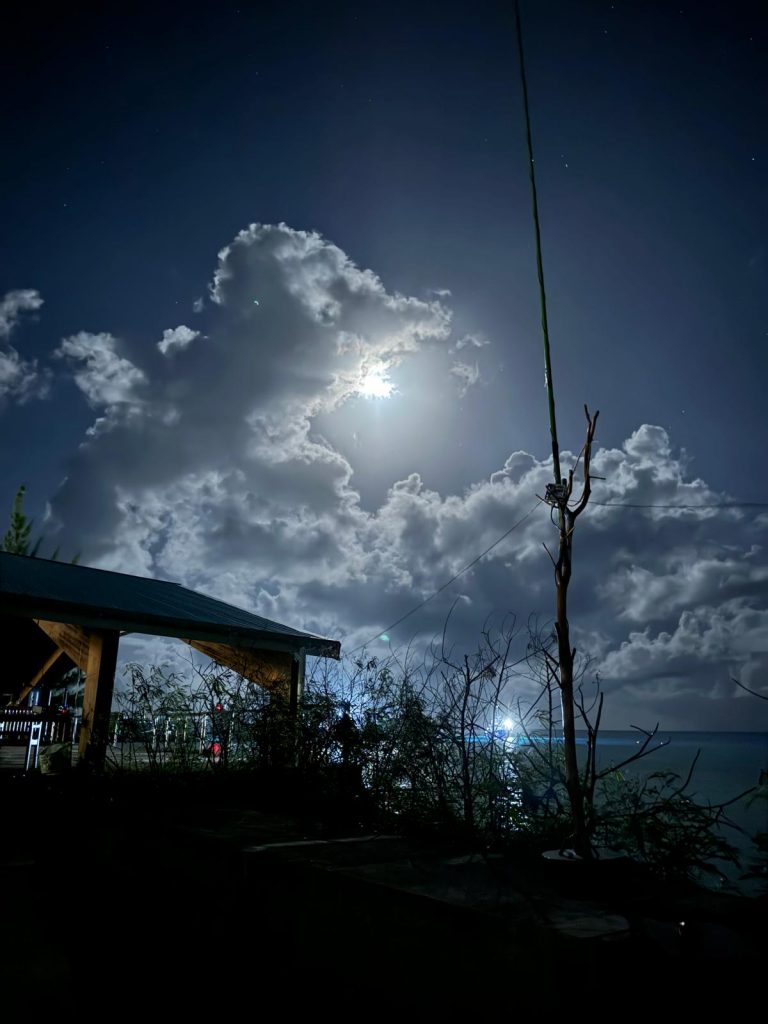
566 654
565 660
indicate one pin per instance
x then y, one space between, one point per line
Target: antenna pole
539 263
558 496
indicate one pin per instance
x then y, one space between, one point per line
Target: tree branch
591 426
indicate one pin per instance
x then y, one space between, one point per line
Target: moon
375 384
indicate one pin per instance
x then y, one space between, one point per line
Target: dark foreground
126 895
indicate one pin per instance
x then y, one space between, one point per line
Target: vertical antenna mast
539 264
558 496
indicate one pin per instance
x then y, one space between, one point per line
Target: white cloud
471 341
23 300
709 631
466 375
215 477
177 338
731 638
20 378
272 269
683 578
105 378
233 418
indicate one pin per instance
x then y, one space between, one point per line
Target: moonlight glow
375 384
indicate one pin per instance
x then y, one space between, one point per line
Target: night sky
269 320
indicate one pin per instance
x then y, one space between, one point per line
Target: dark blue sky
138 142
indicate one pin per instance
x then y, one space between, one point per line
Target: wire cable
603 504
453 579
720 504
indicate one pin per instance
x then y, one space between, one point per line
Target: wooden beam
270 669
41 673
73 640
97 698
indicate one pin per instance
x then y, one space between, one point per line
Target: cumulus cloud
726 634
223 436
176 338
215 477
466 375
105 377
20 378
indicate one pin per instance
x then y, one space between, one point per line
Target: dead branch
591 426
642 752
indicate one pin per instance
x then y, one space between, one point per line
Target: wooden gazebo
55 614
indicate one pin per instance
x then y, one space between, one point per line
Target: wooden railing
16 725
32 728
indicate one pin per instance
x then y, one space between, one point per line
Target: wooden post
97 699
295 693
298 663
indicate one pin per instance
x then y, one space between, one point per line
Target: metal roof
98 599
